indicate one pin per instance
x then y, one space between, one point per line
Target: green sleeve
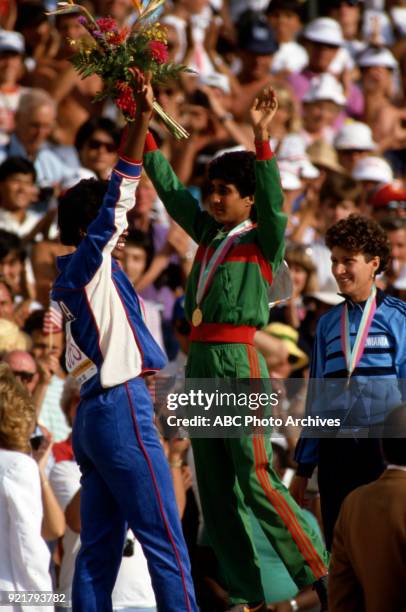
178 201
271 219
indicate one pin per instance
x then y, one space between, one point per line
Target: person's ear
250 200
376 262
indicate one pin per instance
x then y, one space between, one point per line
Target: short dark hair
394 446
358 234
393 224
142 240
78 207
89 127
236 168
338 187
34 322
16 165
11 242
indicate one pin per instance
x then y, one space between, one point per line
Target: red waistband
223 332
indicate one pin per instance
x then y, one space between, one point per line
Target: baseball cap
12 41
375 56
386 194
325 87
325 31
355 135
256 36
372 168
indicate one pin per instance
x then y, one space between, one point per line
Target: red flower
117 38
125 100
158 51
107 24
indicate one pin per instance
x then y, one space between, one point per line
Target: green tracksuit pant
235 473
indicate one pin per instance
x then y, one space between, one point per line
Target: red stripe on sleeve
150 144
263 150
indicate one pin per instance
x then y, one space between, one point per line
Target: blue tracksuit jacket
383 362
107 340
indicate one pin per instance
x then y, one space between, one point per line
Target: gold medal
197 317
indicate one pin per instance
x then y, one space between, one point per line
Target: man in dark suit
368 564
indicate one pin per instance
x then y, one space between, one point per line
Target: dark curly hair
78 207
358 234
236 168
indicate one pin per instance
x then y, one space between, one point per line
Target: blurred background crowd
339 70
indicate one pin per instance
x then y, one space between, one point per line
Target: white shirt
24 556
133 585
9 223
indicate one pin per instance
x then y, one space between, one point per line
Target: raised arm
178 201
103 232
271 219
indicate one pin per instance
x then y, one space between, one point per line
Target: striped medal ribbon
352 357
209 267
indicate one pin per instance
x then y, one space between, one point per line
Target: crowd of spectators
339 71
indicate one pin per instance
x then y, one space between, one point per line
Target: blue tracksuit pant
126 481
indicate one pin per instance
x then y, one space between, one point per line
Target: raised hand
262 112
142 91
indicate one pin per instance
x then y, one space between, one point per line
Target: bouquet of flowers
110 52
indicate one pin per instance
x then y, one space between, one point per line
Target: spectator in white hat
383 112
348 13
323 39
353 142
12 49
322 105
371 171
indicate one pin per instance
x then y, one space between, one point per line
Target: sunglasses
395 204
24 376
94 144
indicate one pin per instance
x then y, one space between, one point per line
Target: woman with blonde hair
24 556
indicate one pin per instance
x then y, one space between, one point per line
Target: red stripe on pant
144 451
285 512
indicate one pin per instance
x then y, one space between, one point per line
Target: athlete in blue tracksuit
377 383
125 477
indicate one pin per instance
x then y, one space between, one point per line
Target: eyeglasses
94 144
25 377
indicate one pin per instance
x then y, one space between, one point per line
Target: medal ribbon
208 268
352 357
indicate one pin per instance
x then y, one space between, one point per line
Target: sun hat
325 87
355 135
289 337
324 30
323 155
375 56
372 168
216 79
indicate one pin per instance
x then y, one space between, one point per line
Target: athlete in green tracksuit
236 472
